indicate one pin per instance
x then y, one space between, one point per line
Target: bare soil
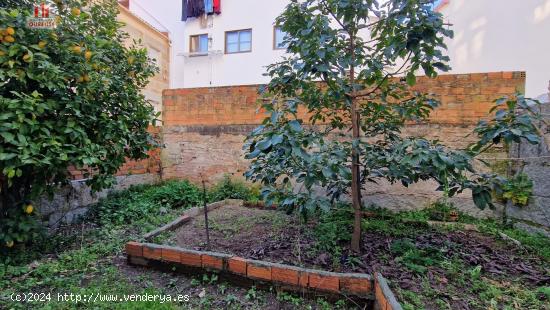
277 237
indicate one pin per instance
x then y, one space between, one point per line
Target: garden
337 106
429 266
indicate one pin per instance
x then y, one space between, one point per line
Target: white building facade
490 35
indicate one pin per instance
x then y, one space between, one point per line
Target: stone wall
72 200
536 164
204 129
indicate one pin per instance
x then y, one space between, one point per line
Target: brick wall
71 201
150 165
204 128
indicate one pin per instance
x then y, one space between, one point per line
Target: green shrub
518 189
334 230
414 258
142 200
69 97
174 194
231 189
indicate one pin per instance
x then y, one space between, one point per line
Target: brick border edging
384 296
291 277
356 284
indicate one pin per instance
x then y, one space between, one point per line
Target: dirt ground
277 237
249 232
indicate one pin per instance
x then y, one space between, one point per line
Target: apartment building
157 44
233 46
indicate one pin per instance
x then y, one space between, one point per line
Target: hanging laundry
184 10
208 6
195 8
217 6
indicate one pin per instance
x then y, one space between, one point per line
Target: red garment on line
217 6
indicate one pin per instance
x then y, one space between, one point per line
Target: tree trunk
355 172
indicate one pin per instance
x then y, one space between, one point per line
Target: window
278 38
154 54
239 41
198 43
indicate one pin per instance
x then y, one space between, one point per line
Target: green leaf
411 78
295 126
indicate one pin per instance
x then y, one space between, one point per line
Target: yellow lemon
88 55
27 58
42 44
29 208
9 244
76 11
86 78
10 31
76 49
9 39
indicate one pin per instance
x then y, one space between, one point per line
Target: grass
87 259
483 290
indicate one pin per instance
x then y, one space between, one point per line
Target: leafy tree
69 97
349 73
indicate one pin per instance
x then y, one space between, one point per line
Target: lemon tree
69 97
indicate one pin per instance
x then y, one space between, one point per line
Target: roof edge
164 34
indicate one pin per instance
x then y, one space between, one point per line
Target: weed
284 296
251 294
231 189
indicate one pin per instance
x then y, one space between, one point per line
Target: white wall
490 35
502 35
216 69
233 69
165 15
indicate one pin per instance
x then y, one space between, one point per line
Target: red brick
257 270
191 258
303 280
212 261
152 252
134 249
355 285
171 255
237 265
285 274
324 281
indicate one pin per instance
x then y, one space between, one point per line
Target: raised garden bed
430 265
248 223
